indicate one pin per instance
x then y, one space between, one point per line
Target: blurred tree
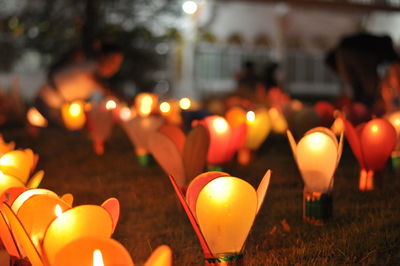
52 27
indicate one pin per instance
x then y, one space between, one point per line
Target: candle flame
58 210
220 125
111 104
165 107
35 118
250 116
146 105
185 103
97 258
75 109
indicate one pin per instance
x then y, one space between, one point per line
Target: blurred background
195 48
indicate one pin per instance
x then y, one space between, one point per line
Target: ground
365 228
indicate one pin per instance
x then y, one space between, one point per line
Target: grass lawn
365 228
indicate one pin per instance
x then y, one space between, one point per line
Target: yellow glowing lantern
7 182
35 118
222 210
5 147
317 155
278 121
96 251
18 163
73 224
145 103
185 103
73 115
170 110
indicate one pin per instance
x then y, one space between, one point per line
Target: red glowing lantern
372 143
224 139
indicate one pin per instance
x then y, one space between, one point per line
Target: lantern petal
197 185
195 151
30 193
9 195
36 214
7 182
354 141
340 148
262 189
192 219
176 135
7 238
75 223
317 160
225 210
113 208
168 156
35 180
293 144
21 236
68 198
162 256
100 123
80 252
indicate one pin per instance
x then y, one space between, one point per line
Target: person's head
109 59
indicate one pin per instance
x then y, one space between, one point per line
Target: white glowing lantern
189 7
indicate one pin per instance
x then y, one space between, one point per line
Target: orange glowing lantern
224 140
139 130
145 103
180 156
91 250
317 156
225 209
16 167
73 115
100 123
372 143
170 110
35 118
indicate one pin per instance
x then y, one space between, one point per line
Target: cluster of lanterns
220 207
41 228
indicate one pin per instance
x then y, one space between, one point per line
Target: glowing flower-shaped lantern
73 115
180 156
258 126
171 111
16 168
317 156
372 143
224 140
100 123
278 121
222 209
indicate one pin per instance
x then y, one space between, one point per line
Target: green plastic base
215 168
144 160
317 208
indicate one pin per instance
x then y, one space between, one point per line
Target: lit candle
73 115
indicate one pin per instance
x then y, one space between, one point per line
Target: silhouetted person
270 77
78 77
356 60
247 78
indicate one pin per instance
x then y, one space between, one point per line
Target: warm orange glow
185 103
35 118
125 113
73 115
220 125
111 104
273 113
374 128
146 105
58 211
165 107
250 116
97 258
75 109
